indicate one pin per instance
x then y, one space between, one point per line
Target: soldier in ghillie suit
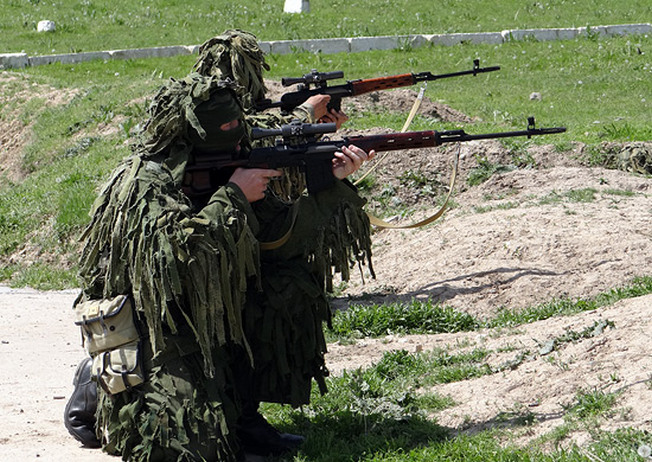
236 55
284 320
221 323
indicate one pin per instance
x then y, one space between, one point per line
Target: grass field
90 25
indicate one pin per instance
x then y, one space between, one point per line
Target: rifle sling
383 224
272 245
406 125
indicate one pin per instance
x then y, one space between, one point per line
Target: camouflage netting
235 54
285 322
286 319
636 158
146 239
188 268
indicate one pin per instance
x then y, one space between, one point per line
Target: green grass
574 195
591 403
90 25
513 317
588 85
43 276
501 206
485 170
427 317
388 411
417 317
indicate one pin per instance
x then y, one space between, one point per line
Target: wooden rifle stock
360 87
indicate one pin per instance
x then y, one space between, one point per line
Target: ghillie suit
193 269
286 317
635 157
187 270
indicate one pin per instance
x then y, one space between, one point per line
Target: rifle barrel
427 76
454 136
430 138
293 99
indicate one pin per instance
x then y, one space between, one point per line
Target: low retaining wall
336 45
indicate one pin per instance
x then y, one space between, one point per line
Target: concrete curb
337 45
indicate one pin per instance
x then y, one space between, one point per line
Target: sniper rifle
299 146
316 83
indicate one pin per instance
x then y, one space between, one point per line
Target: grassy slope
595 87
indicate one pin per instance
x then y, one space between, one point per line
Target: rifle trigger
476 66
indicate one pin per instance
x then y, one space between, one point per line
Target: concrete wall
336 45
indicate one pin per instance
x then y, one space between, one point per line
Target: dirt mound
520 238
540 375
18 91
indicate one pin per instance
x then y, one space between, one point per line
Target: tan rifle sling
271 245
383 224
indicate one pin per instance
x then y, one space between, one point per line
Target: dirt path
40 348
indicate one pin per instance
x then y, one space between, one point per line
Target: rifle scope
294 129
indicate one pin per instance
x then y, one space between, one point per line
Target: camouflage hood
173 120
235 55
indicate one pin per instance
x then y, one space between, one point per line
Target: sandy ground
40 347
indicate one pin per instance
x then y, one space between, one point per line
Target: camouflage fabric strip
144 240
287 337
236 55
635 157
285 324
292 184
177 415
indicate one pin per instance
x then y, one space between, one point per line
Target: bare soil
519 239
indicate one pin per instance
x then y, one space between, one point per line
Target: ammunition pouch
111 337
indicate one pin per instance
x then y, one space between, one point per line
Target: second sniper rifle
299 147
316 83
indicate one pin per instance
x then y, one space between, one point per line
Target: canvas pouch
112 338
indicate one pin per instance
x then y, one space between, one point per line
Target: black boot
257 436
79 415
